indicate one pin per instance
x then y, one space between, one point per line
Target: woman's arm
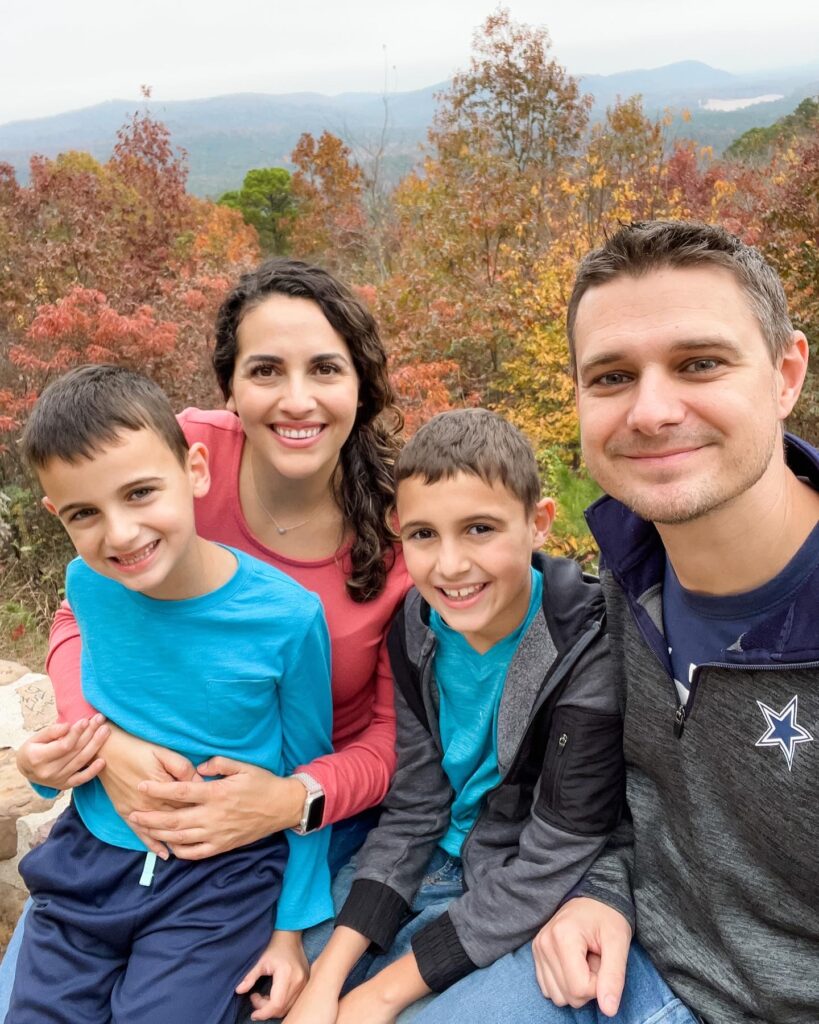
63 667
357 776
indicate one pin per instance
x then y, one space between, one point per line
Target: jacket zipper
683 710
565 666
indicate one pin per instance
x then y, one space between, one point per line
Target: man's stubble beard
712 496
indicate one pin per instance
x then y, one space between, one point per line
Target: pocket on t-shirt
235 706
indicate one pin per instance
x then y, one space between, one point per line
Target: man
686 366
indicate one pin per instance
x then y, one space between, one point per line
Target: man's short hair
474 441
89 407
640 248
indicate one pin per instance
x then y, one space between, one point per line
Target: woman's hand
246 804
285 963
130 761
63 756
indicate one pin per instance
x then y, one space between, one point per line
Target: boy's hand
365 1003
129 761
382 998
581 955
283 961
63 756
315 1005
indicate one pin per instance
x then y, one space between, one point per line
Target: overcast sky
58 55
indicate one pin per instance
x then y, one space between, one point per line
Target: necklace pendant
281 529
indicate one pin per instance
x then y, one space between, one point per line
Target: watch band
312 816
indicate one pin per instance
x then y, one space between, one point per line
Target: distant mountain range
226 135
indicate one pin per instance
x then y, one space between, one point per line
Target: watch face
315 813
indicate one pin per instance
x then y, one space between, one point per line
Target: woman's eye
326 369
263 370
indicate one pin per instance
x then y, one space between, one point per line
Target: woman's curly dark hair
364 488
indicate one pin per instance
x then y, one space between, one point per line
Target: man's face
680 404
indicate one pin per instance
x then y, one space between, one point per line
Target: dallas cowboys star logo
783 729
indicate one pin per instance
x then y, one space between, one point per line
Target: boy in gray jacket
510 774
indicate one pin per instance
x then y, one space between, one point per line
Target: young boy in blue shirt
191 645
510 769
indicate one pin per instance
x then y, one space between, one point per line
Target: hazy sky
58 55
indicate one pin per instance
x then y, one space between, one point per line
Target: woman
301 478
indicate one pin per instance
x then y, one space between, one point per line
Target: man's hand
284 961
63 756
581 955
246 804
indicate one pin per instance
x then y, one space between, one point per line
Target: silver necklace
281 530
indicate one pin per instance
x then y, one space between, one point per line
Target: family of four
362 722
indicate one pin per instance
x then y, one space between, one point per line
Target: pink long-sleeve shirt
358 774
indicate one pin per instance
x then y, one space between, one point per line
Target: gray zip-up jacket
559 746
720 871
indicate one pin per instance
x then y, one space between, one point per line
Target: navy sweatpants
100 948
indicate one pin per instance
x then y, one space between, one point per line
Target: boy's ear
198 469
542 519
49 505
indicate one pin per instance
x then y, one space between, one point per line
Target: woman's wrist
289 797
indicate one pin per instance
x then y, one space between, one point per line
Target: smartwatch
312 815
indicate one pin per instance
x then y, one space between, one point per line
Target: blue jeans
508 993
443 882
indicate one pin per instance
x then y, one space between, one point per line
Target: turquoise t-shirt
243 672
470 686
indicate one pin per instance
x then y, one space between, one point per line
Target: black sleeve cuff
375 911
441 958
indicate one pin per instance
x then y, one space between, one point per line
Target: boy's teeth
463 591
297 434
138 555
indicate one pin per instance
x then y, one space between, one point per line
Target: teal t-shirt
243 672
470 687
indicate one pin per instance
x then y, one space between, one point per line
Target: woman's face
294 387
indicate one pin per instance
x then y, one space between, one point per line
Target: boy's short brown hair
474 441
89 407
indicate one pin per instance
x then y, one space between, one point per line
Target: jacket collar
572 601
632 551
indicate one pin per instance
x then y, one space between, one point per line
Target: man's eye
702 365
611 380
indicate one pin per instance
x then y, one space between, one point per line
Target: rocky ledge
26 704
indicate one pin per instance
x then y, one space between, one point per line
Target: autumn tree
266 202
112 261
327 185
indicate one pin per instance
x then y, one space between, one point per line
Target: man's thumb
611 975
